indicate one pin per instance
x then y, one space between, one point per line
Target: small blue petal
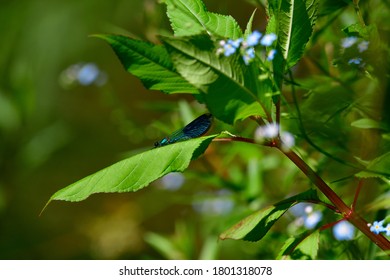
313 219
363 46
246 59
377 227
220 204
387 229
343 231
298 210
173 181
348 42
236 43
250 52
229 50
88 74
356 60
288 140
268 131
271 55
249 55
253 39
231 46
268 39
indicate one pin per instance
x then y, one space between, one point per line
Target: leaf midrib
288 41
195 16
246 90
156 62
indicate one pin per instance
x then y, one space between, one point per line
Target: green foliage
292 21
255 226
303 247
378 167
150 63
228 87
190 17
136 172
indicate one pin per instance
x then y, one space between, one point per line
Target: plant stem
236 138
346 211
358 13
277 114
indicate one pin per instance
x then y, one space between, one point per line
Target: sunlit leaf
136 172
255 226
164 245
378 167
357 30
150 63
302 247
368 124
229 86
248 29
381 202
293 22
190 17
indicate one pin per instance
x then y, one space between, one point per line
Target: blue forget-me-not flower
387 229
377 227
246 47
268 39
348 42
253 39
271 54
343 230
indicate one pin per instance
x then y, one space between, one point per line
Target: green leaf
248 29
292 21
136 172
164 245
254 179
255 226
330 6
229 86
358 30
381 202
377 168
366 123
278 62
190 17
302 247
150 63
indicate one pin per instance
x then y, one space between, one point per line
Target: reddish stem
324 227
359 187
236 138
348 213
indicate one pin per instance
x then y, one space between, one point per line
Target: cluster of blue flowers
309 218
247 47
85 74
361 46
271 131
306 215
348 42
378 227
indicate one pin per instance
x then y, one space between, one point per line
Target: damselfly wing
194 129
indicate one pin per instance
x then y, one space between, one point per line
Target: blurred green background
68 109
